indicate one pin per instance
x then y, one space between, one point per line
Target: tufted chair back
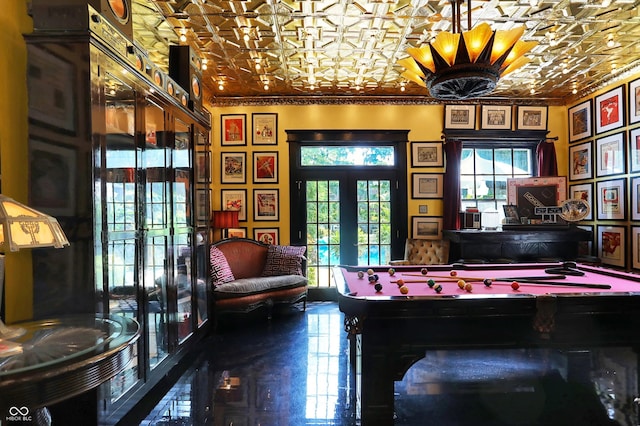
425 252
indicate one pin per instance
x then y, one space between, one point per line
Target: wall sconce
23 227
223 220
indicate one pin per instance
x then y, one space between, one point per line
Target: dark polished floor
294 370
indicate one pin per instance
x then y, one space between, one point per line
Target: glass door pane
323 230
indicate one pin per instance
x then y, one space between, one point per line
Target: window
484 170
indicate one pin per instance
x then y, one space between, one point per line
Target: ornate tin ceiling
348 49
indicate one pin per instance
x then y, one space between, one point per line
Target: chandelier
462 65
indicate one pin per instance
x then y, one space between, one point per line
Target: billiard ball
378 287
400 282
360 274
392 271
461 284
437 288
370 271
468 287
424 271
376 277
453 273
487 282
372 279
404 289
431 283
515 285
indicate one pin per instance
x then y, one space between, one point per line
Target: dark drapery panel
451 198
547 163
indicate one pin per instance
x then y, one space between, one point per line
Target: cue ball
431 283
400 282
515 285
378 287
453 273
392 271
438 288
370 271
360 274
423 271
468 287
404 289
461 284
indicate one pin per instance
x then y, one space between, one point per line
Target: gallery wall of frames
604 169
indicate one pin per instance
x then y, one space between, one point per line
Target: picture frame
580 161
532 117
426 228
460 117
611 245
265 167
584 192
634 150
511 213
266 204
611 198
235 199
427 154
427 185
528 193
635 247
610 155
265 128
267 235
53 178
610 110
233 129
203 167
496 117
635 198
580 122
203 198
634 101
240 232
233 167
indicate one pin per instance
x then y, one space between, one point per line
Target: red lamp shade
225 219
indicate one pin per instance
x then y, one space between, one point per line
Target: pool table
390 330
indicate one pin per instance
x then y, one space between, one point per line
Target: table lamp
23 227
224 219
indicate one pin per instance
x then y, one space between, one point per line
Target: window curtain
547 163
451 196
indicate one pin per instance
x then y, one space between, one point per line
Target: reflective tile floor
294 370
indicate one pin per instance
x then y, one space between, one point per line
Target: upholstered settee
424 252
247 275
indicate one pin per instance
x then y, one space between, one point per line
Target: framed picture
233 129
532 118
611 245
635 247
426 228
583 192
580 125
634 101
53 178
610 158
234 167
580 161
496 117
426 154
529 193
203 167
235 199
266 204
427 185
234 232
634 150
610 110
511 213
460 117
265 128
635 198
611 199
203 197
267 235
265 167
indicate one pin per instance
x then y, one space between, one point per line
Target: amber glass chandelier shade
225 219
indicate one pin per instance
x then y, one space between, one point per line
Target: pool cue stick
538 278
558 284
523 281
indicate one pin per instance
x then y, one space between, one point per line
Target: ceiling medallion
463 65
